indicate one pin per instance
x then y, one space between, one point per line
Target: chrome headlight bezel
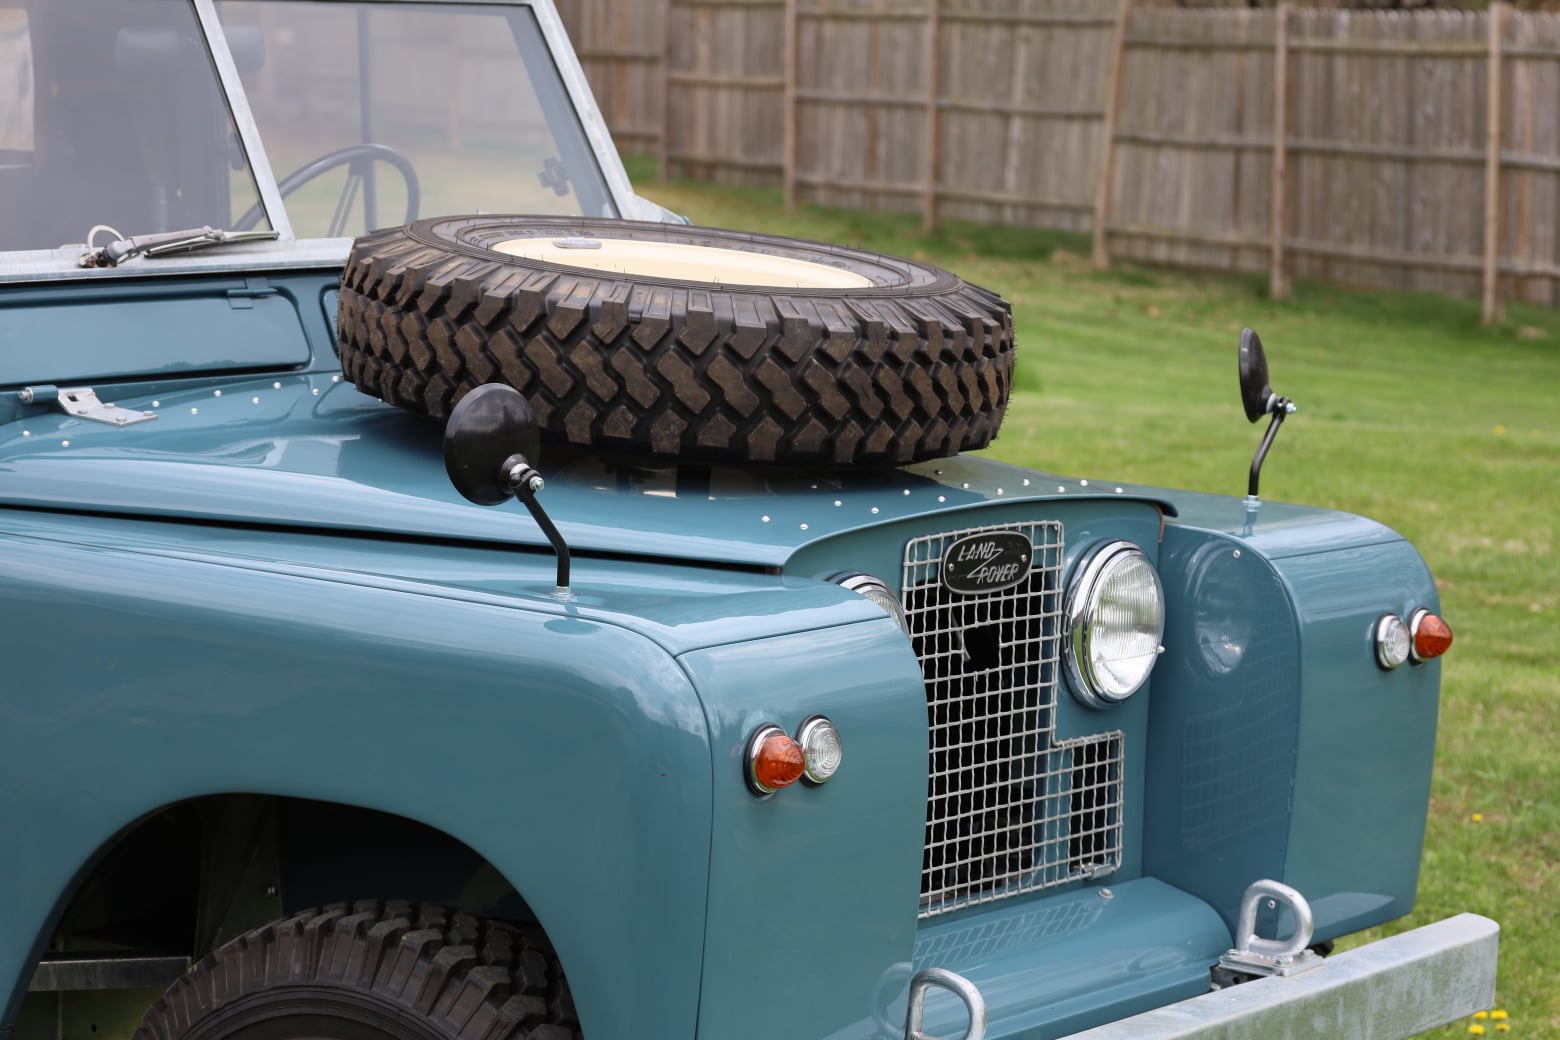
1080 620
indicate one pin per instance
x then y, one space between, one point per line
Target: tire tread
699 373
470 978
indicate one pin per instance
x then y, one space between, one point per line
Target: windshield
373 115
111 113
370 115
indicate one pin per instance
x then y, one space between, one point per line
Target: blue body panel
571 754
273 588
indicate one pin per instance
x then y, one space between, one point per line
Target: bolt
1106 893
536 483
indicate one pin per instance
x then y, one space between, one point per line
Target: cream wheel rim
688 263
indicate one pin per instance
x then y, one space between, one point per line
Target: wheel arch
225 863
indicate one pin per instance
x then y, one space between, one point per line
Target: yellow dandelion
1481 1014
1476 1030
1502 1027
1478 817
1500 431
1499 1015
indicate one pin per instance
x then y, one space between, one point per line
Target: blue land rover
447 597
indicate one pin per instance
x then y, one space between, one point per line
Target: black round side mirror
1255 393
486 428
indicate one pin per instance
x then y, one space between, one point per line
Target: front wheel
372 971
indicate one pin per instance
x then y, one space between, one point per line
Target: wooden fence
1415 150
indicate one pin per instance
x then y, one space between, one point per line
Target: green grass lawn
1410 412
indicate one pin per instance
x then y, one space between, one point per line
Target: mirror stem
526 482
1280 407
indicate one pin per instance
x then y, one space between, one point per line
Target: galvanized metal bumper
1389 989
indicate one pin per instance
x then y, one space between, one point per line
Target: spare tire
694 343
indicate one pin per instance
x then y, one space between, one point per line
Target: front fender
571 753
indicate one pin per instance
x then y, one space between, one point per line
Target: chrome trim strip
243 118
1395 987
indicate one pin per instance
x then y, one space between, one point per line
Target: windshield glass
111 113
373 115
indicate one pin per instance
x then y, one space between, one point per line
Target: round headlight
875 590
1115 620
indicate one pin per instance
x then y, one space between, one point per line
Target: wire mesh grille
1008 809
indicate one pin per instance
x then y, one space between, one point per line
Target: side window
111 113
16 82
16 115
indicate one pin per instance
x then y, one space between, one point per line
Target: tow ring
961 987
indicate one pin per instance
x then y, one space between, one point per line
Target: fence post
933 123
663 149
788 99
1278 283
1494 303
1108 137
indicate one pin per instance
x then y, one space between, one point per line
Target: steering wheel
356 157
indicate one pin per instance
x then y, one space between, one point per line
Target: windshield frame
288 251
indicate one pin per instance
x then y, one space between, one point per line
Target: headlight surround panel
1114 622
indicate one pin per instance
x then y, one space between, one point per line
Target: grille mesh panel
1009 809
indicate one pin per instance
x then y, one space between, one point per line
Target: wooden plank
1529 161
1388 48
1181 234
932 117
879 187
616 54
845 14
788 170
1278 275
821 96
720 79
724 161
1494 121
1038 21
1107 137
1005 108
1196 141
1385 257
663 170
1019 199
1159 43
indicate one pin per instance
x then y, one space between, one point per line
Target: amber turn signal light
774 760
1432 637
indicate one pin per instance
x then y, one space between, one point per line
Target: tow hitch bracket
1254 957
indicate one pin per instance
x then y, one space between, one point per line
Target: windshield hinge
244 299
82 403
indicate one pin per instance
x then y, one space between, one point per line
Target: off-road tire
916 365
372 971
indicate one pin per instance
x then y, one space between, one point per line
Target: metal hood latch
82 403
